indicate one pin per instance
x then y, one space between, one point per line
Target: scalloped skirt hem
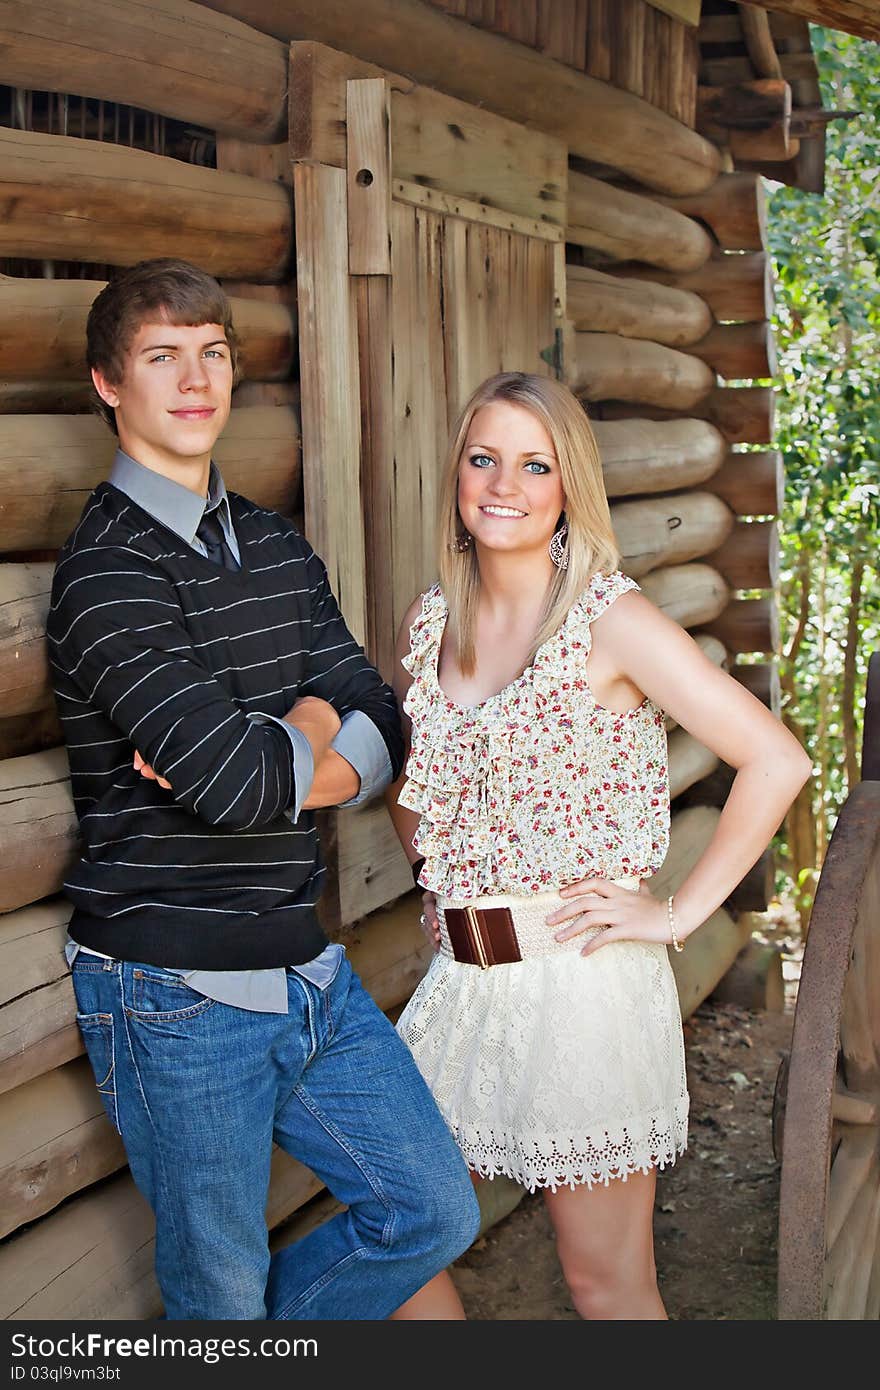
534 1178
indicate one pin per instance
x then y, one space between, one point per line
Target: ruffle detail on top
483 778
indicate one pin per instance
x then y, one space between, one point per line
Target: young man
212 697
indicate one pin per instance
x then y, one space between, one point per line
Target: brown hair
590 543
167 290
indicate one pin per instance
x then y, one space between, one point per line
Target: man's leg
191 1086
362 1118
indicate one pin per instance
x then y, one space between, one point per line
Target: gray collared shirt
358 741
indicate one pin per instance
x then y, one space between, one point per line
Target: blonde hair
590 543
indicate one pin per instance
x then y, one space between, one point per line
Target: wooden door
430 254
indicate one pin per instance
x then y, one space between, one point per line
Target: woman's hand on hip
622 914
429 922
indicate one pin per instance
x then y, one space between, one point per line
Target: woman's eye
535 466
482 460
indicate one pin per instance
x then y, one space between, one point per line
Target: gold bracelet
676 944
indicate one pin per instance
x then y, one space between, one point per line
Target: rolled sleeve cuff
303 760
360 743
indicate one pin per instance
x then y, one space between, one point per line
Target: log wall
659 312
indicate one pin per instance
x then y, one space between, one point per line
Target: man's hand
147 771
318 720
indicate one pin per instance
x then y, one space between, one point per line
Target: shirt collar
174 505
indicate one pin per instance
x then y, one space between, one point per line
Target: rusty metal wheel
829 1110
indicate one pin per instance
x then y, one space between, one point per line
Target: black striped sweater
154 647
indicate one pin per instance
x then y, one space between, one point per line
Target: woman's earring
461 543
557 548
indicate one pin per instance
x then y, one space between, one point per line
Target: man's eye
161 357
215 352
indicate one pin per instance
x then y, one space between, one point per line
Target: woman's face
509 484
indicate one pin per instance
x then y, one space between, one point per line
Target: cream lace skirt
556 1070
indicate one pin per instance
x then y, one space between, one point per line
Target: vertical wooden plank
518 20
368 176
675 75
653 79
579 36
375 350
562 31
659 77
598 52
687 112
330 398
628 70
421 423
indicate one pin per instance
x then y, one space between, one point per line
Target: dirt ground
716 1211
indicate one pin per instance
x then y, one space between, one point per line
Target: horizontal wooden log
795 67
751 483
692 594
45 397
713 947
737 286
738 351
43 331
24 665
27 733
657 456
55 1139
50 464
170 56
625 225
669 529
748 625
595 120
92 1260
755 892
608 367
389 954
749 556
437 141
743 414
734 208
711 790
38 1030
38 827
70 199
772 145
762 679
749 105
689 760
601 303
755 979
54 1135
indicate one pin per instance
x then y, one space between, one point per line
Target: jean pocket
160 996
97 1032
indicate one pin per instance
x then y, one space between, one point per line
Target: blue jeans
199 1090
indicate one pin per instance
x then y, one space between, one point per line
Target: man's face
174 397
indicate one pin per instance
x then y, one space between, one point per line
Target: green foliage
827 260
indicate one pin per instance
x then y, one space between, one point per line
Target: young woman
534 679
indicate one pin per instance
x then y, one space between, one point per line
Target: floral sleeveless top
538 785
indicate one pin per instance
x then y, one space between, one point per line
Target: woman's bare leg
436 1301
605 1240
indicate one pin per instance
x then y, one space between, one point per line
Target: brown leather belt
482 936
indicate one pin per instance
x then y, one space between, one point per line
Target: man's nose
194 375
